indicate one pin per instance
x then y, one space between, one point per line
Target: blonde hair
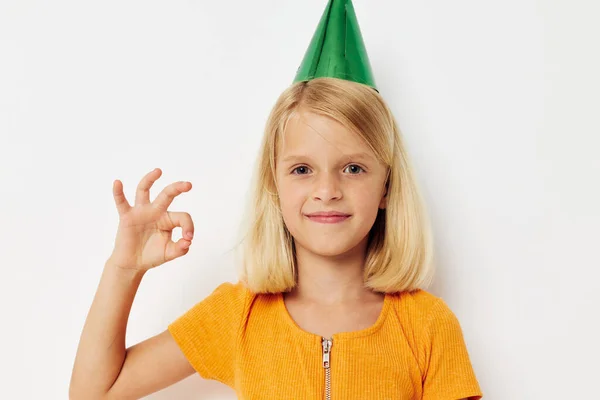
400 249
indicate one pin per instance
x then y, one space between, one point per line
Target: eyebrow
355 156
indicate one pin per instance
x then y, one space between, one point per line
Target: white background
497 101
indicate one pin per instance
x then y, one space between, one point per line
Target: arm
150 366
104 368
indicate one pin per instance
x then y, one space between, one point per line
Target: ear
384 198
383 203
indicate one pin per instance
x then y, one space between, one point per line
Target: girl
329 301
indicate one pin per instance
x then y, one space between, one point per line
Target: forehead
312 134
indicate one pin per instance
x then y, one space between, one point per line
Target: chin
328 252
329 249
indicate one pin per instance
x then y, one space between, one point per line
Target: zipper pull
326 350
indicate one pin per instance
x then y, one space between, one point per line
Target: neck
331 280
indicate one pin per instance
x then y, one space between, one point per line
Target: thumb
175 250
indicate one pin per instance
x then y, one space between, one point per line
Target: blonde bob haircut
399 251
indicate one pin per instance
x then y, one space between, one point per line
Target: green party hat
337 49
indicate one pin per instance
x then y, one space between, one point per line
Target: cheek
288 209
366 200
291 199
291 212
366 196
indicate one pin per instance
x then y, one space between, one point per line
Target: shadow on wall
195 388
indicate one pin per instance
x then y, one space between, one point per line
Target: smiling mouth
328 219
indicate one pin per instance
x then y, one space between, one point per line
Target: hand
143 238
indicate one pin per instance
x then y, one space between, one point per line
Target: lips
328 217
328 214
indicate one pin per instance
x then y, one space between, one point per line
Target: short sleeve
207 333
448 374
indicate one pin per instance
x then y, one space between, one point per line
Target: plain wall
497 102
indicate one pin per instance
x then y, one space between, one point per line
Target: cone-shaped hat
337 49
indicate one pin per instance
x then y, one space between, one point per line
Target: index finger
165 198
142 194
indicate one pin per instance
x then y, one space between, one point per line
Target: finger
164 198
184 220
142 194
120 200
178 249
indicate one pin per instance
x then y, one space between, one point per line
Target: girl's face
330 185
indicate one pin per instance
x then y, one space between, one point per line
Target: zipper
327 343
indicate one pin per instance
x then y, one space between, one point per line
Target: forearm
101 350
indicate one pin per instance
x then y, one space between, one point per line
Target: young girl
329 303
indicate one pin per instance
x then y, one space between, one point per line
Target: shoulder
233 295
429 325
423 310
418 301
207 333
227 301
231 290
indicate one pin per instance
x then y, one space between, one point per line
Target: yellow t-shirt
249 342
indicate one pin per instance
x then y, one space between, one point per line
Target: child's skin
319 169
330 296
103 368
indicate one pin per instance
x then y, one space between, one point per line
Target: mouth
329 217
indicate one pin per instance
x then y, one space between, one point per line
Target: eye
301 170
354 169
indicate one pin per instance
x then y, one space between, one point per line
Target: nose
327 188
